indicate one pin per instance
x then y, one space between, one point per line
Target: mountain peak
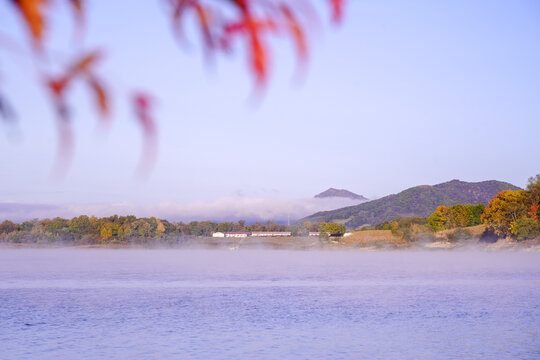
332 192
416 201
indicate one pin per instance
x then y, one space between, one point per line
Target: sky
400 94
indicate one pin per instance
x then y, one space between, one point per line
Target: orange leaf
296 32
85 62
203 15
259 59
32 11
101 96
205 25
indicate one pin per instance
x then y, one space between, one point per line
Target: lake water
185 304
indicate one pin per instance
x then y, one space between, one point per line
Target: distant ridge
340 193
416 201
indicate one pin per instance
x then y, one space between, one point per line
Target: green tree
524 228
27 226
57 226
475 214
323 227
80 225
335 228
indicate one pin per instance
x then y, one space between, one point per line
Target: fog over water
257 304
223 209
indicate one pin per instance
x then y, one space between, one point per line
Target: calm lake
257 304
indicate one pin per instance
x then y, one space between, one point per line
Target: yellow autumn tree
504 210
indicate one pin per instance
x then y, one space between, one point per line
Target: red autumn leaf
242 4
203 16
296 32
84 63
259 59
32 12
179 7
337 10
258 53
102 100
78 13
142 104
57 86
81 66
204 21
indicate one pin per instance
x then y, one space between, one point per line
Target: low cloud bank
225 209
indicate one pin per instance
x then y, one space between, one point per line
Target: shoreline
295 244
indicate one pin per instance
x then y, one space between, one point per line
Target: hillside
416 201
342 193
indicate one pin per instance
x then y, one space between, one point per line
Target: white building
230 234
271 233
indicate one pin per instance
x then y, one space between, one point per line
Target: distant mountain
416 201
342 193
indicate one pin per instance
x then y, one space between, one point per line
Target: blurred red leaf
80 68
32 12
142 104
84 63
57 86
78 13
250 21
102 100
337 10
203 15
296 32
258 53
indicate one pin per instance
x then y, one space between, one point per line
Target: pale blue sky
403 93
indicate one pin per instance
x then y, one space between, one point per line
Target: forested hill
416 201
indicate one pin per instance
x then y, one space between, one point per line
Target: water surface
181 304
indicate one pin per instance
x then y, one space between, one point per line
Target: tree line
511 213
130 229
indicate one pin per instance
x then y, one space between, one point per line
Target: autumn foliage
126 230
515 213
449 217
222 24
